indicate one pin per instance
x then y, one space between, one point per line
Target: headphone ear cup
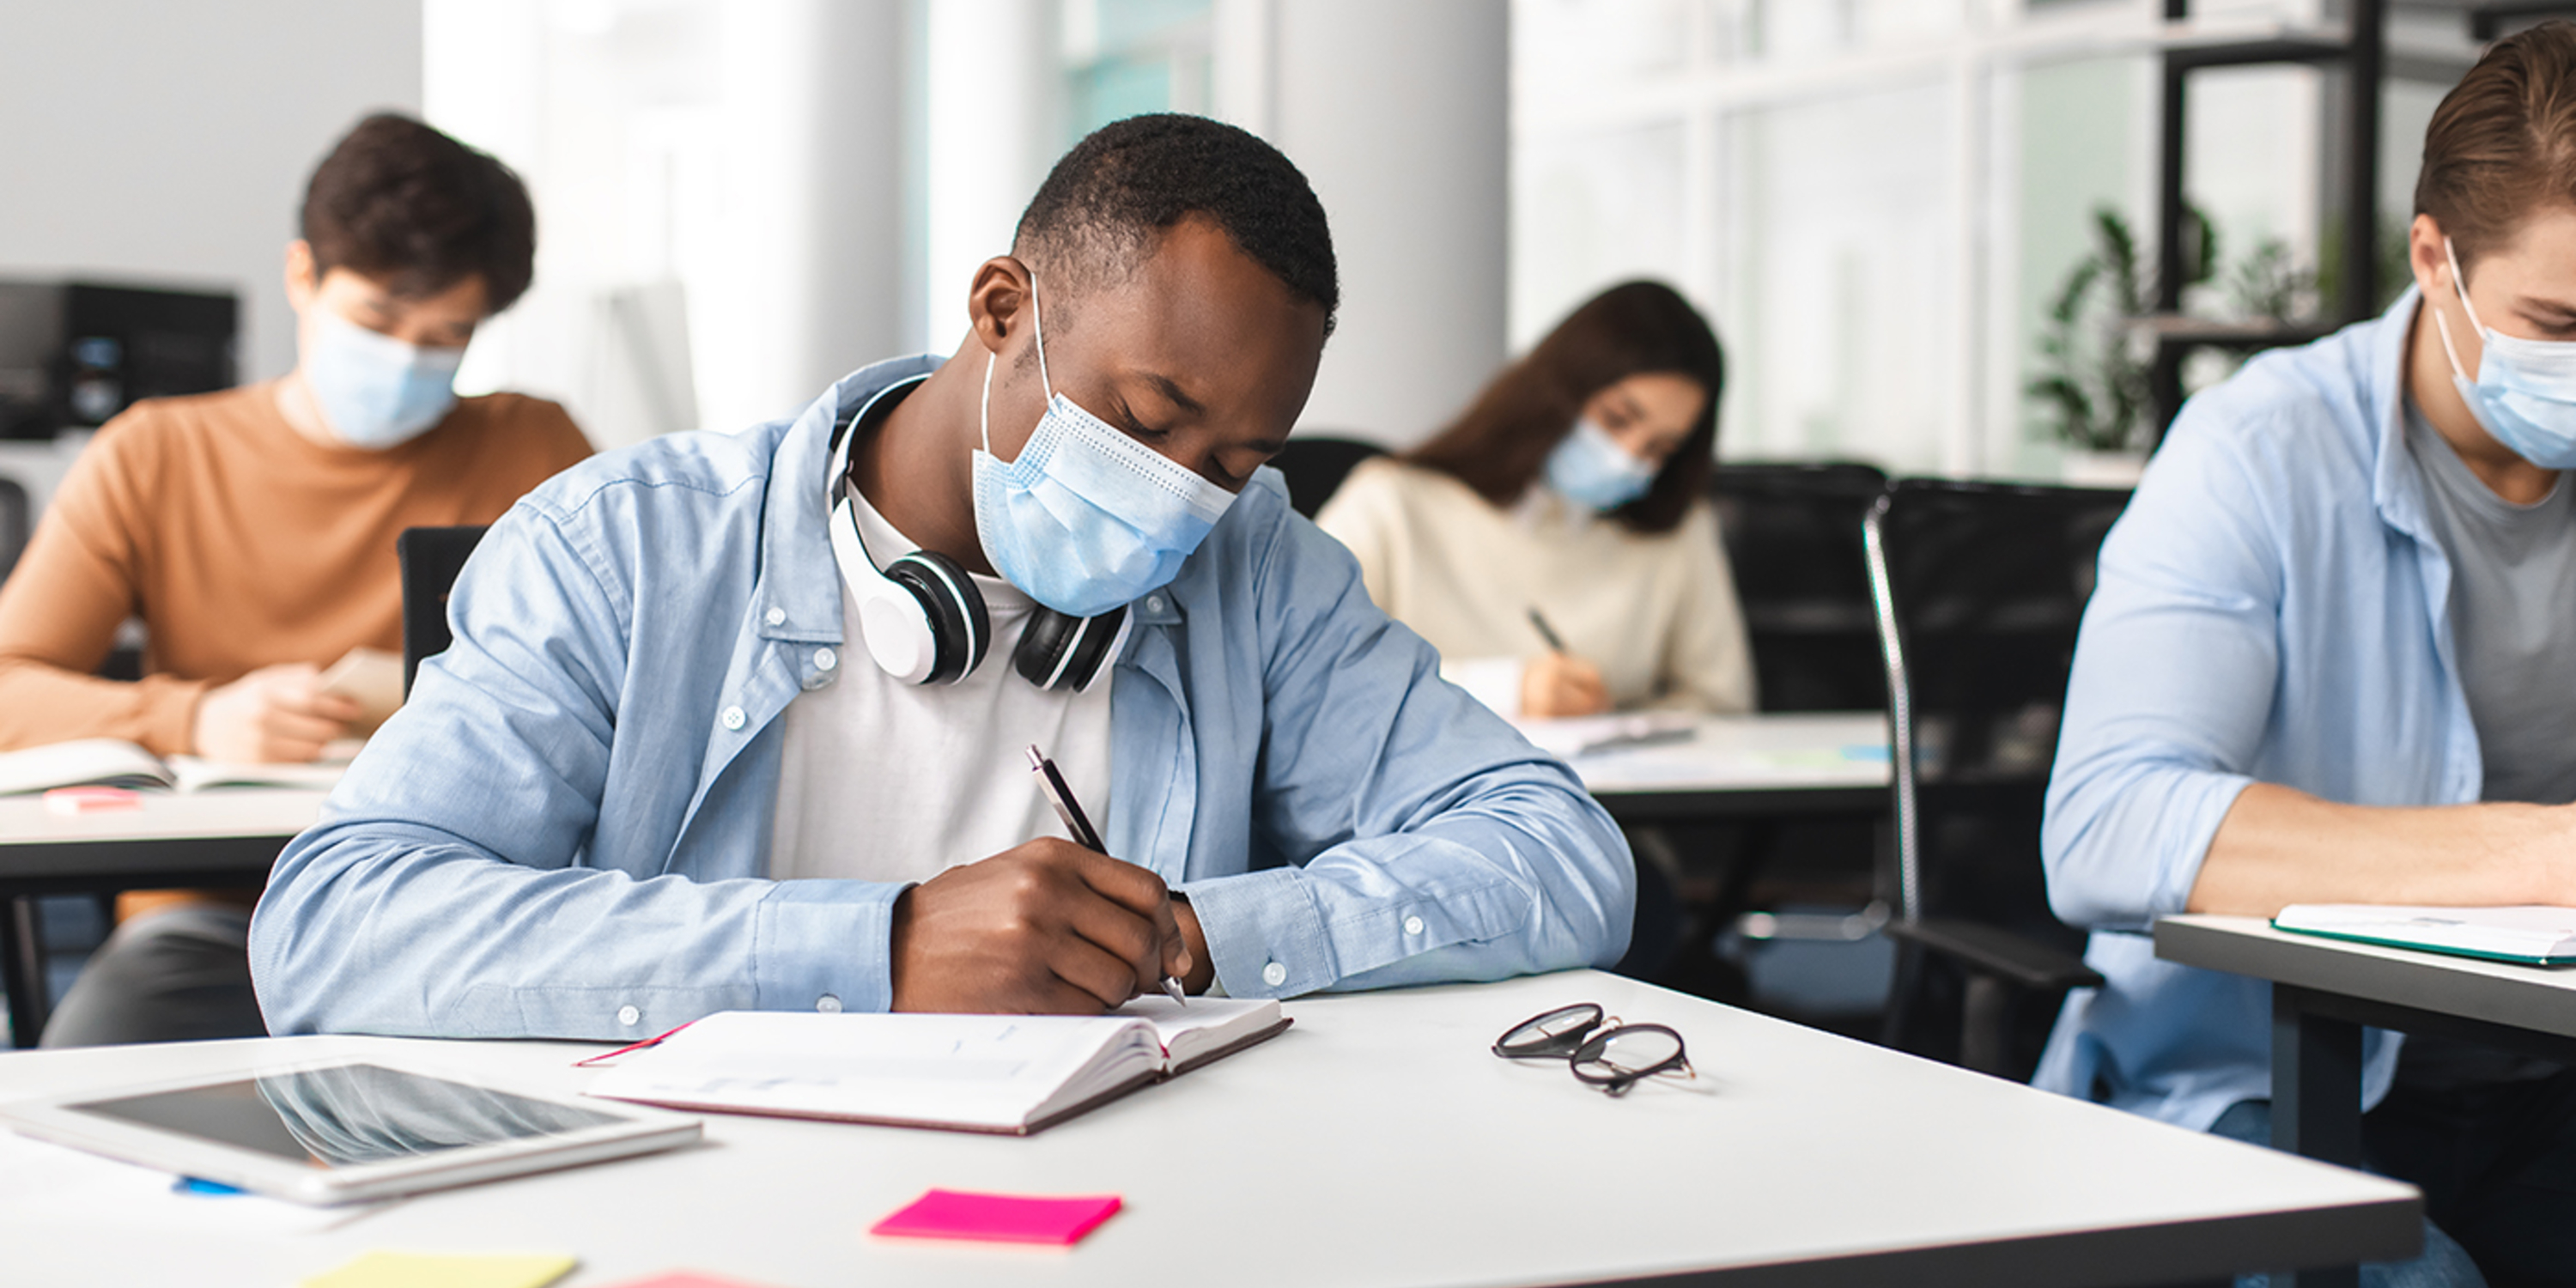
1041 645
1065 654
959 627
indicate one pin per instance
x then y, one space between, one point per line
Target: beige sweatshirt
1656 612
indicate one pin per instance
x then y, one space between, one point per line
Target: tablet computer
345 1130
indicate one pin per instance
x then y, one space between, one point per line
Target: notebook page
2520 932
196 774
1206 1024
982 1071
106 762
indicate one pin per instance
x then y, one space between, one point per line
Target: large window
1876 200
1127 57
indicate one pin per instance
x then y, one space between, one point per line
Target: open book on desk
1567 737
2532 936
113 762
1012 1074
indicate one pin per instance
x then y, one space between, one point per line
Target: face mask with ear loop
1591 469
1087 519
2525 393
377 392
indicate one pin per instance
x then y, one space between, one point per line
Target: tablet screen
349 1114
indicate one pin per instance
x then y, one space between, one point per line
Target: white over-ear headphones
925 622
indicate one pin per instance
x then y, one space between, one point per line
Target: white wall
992 128
1400 116
170 142
720 213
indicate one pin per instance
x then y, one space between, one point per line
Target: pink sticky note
998 1218
91 800
686 1279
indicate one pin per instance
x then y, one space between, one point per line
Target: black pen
1076 822
1546 632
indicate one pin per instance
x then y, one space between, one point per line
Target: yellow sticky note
440 1270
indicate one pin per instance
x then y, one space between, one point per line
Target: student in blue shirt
741 721
2332 659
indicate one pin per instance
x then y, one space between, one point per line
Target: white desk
1788 764
1377 1143
222 837
171 834
2324 991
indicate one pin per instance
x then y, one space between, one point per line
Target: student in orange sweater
253 531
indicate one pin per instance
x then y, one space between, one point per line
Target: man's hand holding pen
1048 927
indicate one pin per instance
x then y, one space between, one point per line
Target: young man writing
2332 659
253 531
683 757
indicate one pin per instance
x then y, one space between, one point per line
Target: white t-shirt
886 781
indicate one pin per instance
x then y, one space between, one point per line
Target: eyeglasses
1602 1051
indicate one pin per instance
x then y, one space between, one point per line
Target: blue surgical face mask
376 391
1591 469
1087 519
2525 393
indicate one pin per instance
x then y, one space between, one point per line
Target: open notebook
2535 936
1571 736
993 1073
113 762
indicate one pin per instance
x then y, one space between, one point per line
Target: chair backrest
431 558
1316 464
17 524
1793 539
1980 588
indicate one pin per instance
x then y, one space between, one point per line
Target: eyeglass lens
1620 1057
1556 1033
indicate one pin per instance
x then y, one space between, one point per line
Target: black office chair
1979 590
1793 541
17 524
431 558
1316 464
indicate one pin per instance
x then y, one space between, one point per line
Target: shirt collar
2396 485
798 595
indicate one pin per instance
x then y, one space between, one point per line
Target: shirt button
1413 925
825 659
1153 603
828 1004
1274 974
628 1015
775 616
733 718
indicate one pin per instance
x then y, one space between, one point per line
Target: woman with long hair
1555 541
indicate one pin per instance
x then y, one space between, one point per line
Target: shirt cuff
821 939
1264 933
1494 681
2201 803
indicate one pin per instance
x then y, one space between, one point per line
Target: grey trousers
177 975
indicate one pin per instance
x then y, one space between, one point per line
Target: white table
1374 1145
1761 765
221 837
172 836
2324 991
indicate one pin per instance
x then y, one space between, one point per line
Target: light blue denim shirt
2271 608
565 833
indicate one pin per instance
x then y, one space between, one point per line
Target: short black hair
405 204
1103 204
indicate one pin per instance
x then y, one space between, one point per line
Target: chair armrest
1989 950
